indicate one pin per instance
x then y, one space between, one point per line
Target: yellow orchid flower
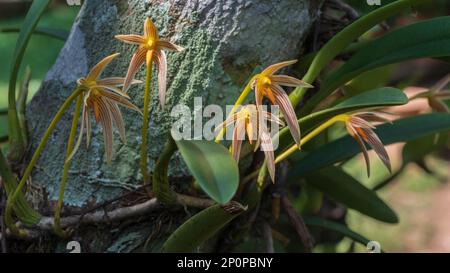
246 120
103 97
266 84
150 49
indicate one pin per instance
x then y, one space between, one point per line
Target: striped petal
150 31
441 84
97 70
286 108
361 145
120 100
275 67
238 137
117 119
285 80
137 60
376 144
115 81
113 89
106 122
161 63
131 39
162 44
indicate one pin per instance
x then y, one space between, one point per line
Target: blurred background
420 193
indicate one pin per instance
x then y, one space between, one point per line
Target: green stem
12 199
143 163
161 187
57 224
239 101
339 42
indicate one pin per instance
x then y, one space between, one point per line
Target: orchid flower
150 49
252 120
269 85
102 97
360 128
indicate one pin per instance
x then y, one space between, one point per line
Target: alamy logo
373 247
74 2
374 2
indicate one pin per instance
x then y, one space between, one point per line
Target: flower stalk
144 130
13 197
57 224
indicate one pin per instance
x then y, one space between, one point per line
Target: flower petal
441 84
378 147
98 68
131 39
361 145
119 99
275 67
238 136
117 118
286 108
106 122
150 31
111 88
136 61
162 44
115 81
289 81
161 63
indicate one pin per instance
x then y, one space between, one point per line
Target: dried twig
298 223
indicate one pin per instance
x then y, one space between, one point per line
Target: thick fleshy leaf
402 130
343 188
337 227
431 39
200 227
212 166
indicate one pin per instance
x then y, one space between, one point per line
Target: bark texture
226 42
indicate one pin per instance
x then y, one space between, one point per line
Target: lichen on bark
226 42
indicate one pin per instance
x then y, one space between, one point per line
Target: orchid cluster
101 98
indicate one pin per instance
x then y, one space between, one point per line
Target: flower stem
143 163
57 224
310 136
12 198
239 101
263 171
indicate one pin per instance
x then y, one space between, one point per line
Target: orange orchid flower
150 49
246 120
103 97
269 85
360 128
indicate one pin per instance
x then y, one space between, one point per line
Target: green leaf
343 188
212 166
431 39
34 14
402 130
199 228
341 41
57 33
386 96
334 226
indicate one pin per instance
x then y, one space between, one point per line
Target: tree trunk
226 42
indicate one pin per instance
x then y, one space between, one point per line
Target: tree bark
226 41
